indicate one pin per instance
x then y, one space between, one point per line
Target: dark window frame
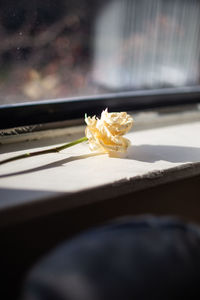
48 111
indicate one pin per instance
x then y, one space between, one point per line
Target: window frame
56 110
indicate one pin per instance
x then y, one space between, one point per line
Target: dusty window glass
59 49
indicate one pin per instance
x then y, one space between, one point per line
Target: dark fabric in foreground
135 258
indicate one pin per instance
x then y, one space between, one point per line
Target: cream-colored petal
106 134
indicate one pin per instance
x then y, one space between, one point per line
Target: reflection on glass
58 49
147 44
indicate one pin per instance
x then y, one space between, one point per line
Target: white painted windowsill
49 183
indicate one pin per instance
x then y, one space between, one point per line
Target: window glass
59 49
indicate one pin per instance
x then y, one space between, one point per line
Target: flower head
106 134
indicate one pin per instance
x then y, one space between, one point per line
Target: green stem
51 150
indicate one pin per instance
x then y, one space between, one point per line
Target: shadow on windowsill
55 164
144 153
170 153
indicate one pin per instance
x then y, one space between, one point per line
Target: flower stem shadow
51 165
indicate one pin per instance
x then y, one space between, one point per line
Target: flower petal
106 134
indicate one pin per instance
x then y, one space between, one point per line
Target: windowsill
74 177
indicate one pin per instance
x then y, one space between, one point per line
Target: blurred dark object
135 258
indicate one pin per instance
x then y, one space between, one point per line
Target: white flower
106 134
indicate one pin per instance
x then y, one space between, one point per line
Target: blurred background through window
58 49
